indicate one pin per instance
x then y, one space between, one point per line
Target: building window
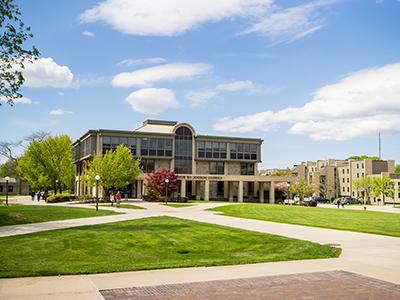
211 150
217 167
348 189
112 142
344 190
156 147
348 180
183 150
243 151
246 169
343 171
362 165
358 166
1 188
147 165
343 180
348 171
358 175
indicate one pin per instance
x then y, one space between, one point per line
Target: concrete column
272 192
207 190
197 190
261 191
183 188
240 192
230 190
139 189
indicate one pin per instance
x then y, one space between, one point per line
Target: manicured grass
130 206
178 205
207 201
150 243
352 220
23 214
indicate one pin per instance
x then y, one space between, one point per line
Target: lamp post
7 179
166 190
289 195
55 192
97 191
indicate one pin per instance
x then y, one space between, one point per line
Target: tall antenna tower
380 147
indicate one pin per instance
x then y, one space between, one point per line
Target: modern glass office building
210 167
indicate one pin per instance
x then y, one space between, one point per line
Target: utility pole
380 148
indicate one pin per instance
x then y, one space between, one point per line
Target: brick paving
321 285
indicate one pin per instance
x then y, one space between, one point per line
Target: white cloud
235 86
169 18
22 100
88 34
134 62
152 101
168 72
45 72
290 24
200 97
61 94
362 103
59 112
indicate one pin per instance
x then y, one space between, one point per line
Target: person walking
338 203
33 195
118 198
112 198
38 196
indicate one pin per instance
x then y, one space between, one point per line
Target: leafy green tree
117 169
47 161
397 169
301 188
286 172
367 184
9 168
362 157
383 187
13 56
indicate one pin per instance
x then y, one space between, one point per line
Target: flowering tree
283 187
156 181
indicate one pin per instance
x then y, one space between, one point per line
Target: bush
84 197
152 196
60 198
181 199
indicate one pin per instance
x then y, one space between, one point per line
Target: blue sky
314 79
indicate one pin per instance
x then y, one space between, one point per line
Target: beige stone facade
335 178
211 167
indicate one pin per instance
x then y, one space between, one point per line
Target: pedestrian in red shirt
118 198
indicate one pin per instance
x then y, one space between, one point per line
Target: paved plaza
322 285
365 258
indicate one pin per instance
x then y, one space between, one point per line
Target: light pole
97 191
288 189
55 192
166 190
7 179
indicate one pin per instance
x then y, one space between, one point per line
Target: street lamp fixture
7 180
56 186
97 177
166 190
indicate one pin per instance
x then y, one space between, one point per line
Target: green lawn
23 214
178 205
208 201
343 219
150 243
130 206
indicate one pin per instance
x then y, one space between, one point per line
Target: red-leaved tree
156 181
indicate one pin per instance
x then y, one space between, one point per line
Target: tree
47 162
397 169
383 186
286 172
117 169
13 56
362 157
9 168
156 181
301 188
366 184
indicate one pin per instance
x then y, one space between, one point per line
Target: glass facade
156 147
217 167
210 149
85 148
183 151
112 142
243 151
246 169
147 165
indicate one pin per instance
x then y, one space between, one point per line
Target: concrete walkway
366 254
386 208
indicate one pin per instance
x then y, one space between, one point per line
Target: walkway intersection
370 255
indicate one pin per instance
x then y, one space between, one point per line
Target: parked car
347 200
319 199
